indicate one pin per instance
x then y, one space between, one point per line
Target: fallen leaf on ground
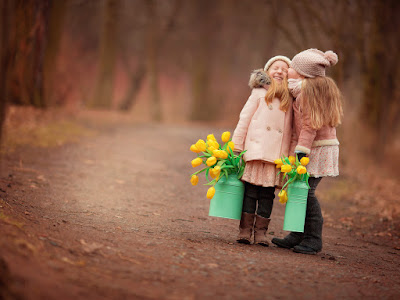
79 263
24 244
90 247
129 259
10 221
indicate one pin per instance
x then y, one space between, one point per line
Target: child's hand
300 155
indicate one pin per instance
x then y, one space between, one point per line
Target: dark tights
263 195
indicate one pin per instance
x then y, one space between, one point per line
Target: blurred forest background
189 61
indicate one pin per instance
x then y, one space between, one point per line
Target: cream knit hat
312 62
274 59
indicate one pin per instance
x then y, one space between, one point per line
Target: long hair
322 99
280 91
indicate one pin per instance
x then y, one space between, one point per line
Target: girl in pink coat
264 130
317 112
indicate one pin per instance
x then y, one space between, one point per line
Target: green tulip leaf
207 173
200 171
212 182
284 176
228 167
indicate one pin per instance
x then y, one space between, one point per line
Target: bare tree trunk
382 70
105 82
152 59
136 79
41 11
203 107
27 43
56 21
4 25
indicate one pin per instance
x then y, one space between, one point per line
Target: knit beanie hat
274 59
312 62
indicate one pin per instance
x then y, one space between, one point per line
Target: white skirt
324 161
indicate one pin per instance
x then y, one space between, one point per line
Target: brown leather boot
246 228
260 231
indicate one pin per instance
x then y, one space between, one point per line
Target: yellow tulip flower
231 146
210 192
212 173
211 137
224 154
283 198
211 161
278 166
278 161
216 170
201 145
292 159
194 179
286 168
301 170
196 162
216 153
304 161
211 148
213 144
194 149
226 136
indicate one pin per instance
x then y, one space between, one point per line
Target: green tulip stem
200 171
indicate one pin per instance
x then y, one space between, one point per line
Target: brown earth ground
114 216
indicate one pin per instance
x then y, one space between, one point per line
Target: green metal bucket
296 206
228 199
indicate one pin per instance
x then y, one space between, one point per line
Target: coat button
268 128
270 107
280 130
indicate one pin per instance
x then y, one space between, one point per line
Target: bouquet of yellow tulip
294 170
219 160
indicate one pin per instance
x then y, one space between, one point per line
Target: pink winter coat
263 130
304 137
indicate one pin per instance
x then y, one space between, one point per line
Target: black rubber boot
291 240
304 250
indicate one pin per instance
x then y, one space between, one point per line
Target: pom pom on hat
313 62
331 57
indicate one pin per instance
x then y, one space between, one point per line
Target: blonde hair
280 91
321 97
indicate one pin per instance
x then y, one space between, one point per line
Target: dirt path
115 217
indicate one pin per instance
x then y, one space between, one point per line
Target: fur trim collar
258 79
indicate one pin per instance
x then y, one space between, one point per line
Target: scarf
295 87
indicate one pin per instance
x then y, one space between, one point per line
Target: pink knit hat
312 62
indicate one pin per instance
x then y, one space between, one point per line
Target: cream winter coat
263 130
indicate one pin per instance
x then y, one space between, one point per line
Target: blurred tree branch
157 41
373 21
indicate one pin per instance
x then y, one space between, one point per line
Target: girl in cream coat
264 130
